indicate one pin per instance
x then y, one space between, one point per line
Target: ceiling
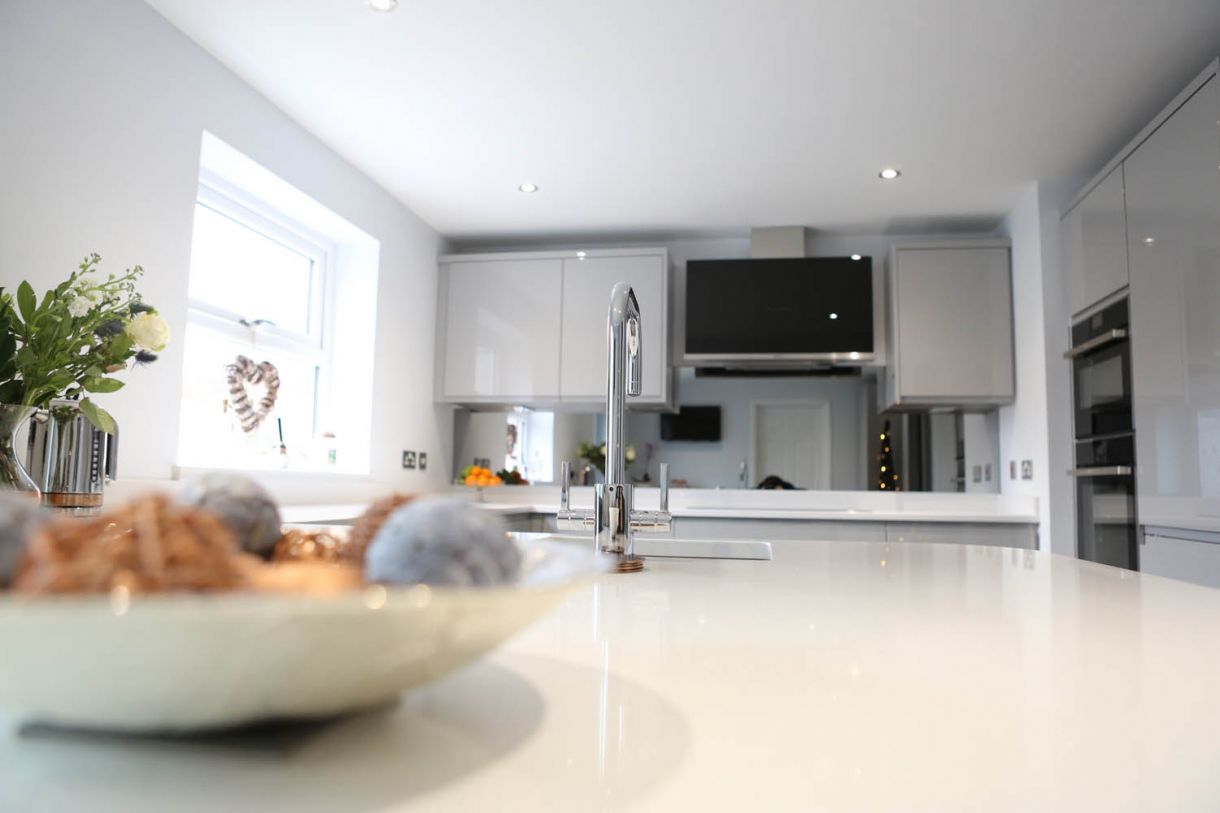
711 115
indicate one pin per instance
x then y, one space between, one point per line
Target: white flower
94 297
148 330
629 454
78 307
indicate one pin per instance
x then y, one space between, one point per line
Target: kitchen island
840 676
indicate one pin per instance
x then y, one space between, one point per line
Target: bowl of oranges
479 476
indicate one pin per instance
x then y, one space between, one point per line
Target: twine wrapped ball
243 505
18 518
442 541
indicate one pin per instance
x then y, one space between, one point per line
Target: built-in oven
1101 372
1106 523
1106 529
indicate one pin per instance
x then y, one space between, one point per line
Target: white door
792 441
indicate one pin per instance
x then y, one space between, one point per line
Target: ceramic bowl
194 662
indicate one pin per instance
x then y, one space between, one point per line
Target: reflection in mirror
749 432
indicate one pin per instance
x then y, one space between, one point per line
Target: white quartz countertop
838 677
832 506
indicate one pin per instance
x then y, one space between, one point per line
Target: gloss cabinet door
587 284
501 331
1095 244
1173 225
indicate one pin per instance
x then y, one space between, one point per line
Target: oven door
1102 382
1105 515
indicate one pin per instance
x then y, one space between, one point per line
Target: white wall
102 106
1037 425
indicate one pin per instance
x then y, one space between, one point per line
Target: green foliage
69 343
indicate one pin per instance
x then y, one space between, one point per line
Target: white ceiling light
834 316
383 5
580 255
856 257
889 174
528 187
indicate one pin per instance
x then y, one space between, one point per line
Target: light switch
423 461
1012 469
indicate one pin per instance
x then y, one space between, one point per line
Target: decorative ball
148 545
369 523
18 518
243 505
442 541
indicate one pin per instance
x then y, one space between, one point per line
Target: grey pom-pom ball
18 517
243 505
442 541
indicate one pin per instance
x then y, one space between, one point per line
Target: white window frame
316 345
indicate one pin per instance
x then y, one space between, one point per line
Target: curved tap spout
624 366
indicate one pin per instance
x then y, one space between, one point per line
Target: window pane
241 270
211 433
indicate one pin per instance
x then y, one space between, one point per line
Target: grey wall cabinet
529 328
1173 216
951 325
587 283
1094 236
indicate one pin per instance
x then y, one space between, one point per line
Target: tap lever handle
565 485
664 486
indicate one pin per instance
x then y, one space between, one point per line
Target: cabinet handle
1092 344
1102 471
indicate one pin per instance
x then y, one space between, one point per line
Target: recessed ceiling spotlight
856 257
383 5
888 174
528 187
1150 241
580 255
834 316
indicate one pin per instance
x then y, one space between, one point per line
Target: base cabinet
1182 559
1005 535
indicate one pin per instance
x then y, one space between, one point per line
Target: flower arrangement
595 454
70 343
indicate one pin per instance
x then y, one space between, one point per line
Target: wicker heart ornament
243 372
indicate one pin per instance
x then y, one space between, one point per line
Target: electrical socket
423 461
1027 469
408 460
977 471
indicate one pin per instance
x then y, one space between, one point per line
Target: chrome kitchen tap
613 519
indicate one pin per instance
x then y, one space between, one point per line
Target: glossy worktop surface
840 676
740 504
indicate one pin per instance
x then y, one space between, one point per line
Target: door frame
823 407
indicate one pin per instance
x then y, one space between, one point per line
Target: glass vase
13 476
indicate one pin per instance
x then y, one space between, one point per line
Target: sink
691 548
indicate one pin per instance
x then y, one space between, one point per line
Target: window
276 278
